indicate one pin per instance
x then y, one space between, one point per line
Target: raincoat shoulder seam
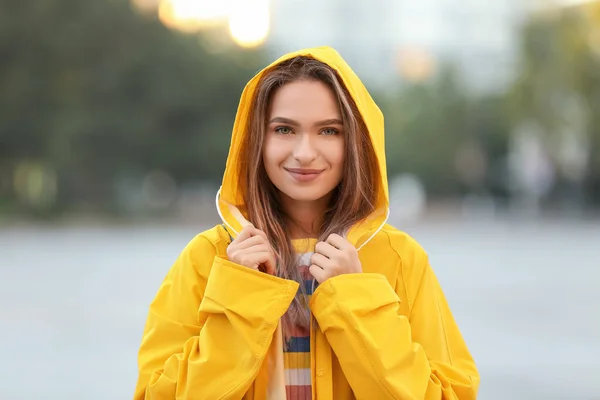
202 237
400 268
426 266
204 234
439 309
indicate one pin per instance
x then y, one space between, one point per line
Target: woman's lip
304 175
304 171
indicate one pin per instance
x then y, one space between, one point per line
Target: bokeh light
191 15
249 22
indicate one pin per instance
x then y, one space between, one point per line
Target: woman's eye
329 131
283 130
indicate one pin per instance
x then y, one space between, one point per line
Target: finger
337 241
326 249
244 234
251 241
263 235
245 223
254 260
258 232
265 259
257 248
320 260
271 266
318 273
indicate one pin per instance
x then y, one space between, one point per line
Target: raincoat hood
229 199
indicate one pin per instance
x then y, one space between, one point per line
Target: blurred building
364 33
395 40
480 37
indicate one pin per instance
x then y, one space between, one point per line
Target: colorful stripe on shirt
297 349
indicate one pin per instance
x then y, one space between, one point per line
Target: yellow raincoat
213 328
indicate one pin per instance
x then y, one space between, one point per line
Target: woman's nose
304 149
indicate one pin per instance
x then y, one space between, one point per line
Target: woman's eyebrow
288 121
330 121
284 120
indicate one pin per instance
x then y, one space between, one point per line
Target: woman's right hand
252 249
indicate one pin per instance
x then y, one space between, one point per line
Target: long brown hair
355 197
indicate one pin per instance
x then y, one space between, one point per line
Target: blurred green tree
429 124
558 87
91 89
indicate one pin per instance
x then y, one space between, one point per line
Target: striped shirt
296 351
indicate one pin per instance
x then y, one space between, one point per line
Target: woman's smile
304 174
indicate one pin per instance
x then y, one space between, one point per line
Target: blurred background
115 120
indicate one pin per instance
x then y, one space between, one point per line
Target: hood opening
229 199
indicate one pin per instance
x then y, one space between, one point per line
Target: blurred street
73 303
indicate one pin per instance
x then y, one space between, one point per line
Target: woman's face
304 144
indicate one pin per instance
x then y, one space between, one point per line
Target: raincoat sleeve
206 335
384 354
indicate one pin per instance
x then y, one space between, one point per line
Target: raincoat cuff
356 291
231 284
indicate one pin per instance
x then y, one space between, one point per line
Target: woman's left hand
335 256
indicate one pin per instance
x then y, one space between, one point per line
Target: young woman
304 291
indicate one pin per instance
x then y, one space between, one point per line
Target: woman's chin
305 195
